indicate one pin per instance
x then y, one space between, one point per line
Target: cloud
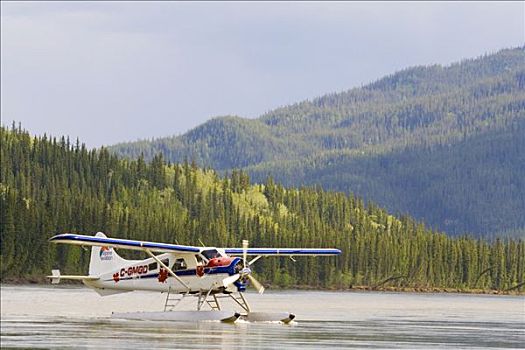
115 71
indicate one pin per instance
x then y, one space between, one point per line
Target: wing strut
254 259
167 269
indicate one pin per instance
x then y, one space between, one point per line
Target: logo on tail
106 253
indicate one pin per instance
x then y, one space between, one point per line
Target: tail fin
55 276
104 259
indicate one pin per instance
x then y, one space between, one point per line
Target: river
76 317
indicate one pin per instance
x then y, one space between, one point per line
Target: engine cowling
220 261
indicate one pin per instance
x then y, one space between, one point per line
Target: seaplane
208 273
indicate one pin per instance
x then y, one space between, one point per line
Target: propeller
230 280
246 272
244 251
256 284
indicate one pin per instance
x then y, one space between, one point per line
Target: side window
180 264
153 266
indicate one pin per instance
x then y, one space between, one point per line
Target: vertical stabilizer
104 259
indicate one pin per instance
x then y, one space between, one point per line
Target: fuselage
195 273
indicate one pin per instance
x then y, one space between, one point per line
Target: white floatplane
208 273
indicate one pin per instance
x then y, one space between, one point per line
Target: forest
423 141
51 186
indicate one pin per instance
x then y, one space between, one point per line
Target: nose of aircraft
243 274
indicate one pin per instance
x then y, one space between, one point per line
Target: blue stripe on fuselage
230 270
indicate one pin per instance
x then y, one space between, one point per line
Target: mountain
444 144
50 186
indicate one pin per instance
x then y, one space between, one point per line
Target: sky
109 72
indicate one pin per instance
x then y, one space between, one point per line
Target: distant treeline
51 186
444 144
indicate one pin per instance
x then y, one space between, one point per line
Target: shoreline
421 290
42 281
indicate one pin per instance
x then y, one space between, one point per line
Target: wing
283 251
70 238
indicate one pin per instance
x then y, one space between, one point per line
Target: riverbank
416 290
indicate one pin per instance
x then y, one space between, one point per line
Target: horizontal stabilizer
56 277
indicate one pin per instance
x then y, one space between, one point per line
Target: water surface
76 317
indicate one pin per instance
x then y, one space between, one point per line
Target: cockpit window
199 259
211 253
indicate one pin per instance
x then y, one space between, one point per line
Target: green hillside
50 186
389 142
475 185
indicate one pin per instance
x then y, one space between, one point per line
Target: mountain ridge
425 107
